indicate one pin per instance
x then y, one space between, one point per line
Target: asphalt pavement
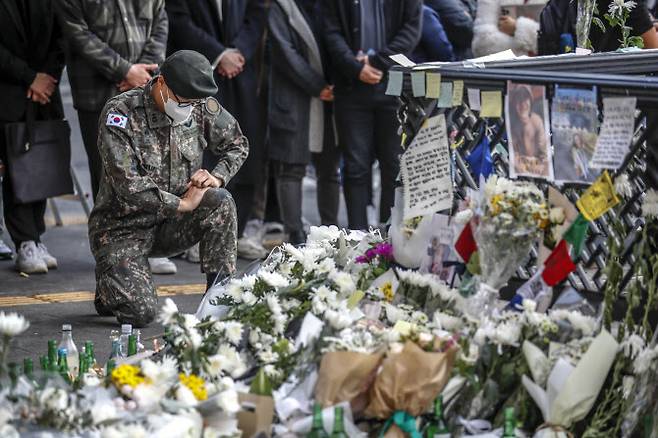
64 295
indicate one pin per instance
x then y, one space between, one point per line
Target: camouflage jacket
147 161
104 38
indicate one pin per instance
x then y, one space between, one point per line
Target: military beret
189 75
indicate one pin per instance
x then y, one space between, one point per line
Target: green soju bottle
437 427
339 424
132 345
109 367
509 430
648 425
52 355
317 428
14 371
28 368
43 363
63 365
89 352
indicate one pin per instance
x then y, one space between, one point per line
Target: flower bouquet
510 216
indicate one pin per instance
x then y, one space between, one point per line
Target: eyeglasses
194 103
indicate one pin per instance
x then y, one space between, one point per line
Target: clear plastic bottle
72 359
126 331
138 335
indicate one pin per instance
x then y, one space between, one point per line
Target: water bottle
126 331
71 350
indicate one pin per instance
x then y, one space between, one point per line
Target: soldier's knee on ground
217 198
138 313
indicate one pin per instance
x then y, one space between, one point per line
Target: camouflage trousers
124 283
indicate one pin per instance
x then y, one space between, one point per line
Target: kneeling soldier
154 198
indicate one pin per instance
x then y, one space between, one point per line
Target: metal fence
466 129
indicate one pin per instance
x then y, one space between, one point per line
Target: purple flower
384 250
362 259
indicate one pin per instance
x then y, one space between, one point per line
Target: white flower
617 7
623 186
234 364
273 304
122 430
12 324
650 204
326 266
195 338
227 401
632 346
254 337
393 313
215 365
234 290
529 305
343 281
249 298
556 215
273 279
447 322
464 216
190 322
185 396
578 321
233 331
161 373
54 399
646 360
339 319
507 333
148 396
627 384
272 372
268 356
318 306
168 312
103 411
322 234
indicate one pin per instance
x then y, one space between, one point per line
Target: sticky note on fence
492 104
445 97
457 93
394 87
474 99
598 198
433 83
418 83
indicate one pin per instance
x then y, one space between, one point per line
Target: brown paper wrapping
344 375
409 381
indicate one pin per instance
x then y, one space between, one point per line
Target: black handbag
39 157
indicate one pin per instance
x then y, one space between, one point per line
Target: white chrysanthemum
323 234
463 217
529 305
160 373
326 266
227 401
318 305
254 337
632 346
556 215
274 279
623 186
124 430
233 331
616 8
195 338
148 396
646 360
627 384
54 399
343 281
235 291
185 396
578 321
12 324
338 319
650 204
447 322
234 364
190 321
273 304
249 298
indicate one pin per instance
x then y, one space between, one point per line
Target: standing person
111 47
360 37
229 33
31 62
300 115
457 19
154 197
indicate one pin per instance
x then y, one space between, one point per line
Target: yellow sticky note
599 198
457 93
491 104
433 83
403 327
354 300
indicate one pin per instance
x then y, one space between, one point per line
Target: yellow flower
387 290
127 375
195 384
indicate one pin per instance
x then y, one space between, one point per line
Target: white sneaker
28 259
51 261
250 249
192 254
162 266
254 229
273 228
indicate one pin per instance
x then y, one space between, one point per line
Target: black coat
458 24
403 21
26 51
195 25
292 83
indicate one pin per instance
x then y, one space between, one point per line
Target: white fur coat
488 39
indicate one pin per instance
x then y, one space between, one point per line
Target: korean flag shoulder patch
114 119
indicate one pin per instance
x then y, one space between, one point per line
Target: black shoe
5 251
297 237
102 309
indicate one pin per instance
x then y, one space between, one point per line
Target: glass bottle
132 345
14 372
126 331
437 426
116 350
69 345
43 363
28 368
509 430
52 355
109 367
89 352
339 425
63 364
317 428
138 335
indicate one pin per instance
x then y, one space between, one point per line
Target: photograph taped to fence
574 122
526 119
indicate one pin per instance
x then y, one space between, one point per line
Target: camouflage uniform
147 164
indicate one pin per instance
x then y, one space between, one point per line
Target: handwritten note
418 83
394 87
598 198
433 81
616 132
402 60
474 99
457 93
445 98
492 104
425 170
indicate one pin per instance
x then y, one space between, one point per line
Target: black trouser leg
289 193
328 184
24 221
89 130
387 152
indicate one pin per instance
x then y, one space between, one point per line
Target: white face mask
178 114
